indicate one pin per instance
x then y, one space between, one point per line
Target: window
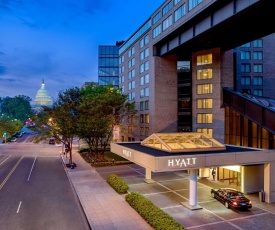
147 118
142 93
121 79
146 65
246 45
146 105
206 131
146 92
146 39
176 2
157 31
179 13
204 59
193 3
141 106
141 43
141 56
167 23
147 78
205 103
204 74
122 89
141 68
258 92
245 55
258 43
245 68
204 89
166 9
258 68
142 80
258 55
141 129
156 18
204 118
146 131
146 52
245 80
258 80
141 118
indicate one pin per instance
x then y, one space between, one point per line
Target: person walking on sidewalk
213 173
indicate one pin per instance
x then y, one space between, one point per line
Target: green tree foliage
101 108
9 126
62 117
17 107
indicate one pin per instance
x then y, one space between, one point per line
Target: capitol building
42 97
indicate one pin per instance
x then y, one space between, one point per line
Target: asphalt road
35 192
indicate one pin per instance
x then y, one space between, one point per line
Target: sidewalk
104 208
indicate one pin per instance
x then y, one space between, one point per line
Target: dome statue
42 96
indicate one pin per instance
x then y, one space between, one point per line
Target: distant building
108 64
42 97
85 84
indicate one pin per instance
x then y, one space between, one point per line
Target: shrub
117 184
156 217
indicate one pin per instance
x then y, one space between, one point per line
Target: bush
156 217
117 184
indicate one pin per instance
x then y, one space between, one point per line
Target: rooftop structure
42 96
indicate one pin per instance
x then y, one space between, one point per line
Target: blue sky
58 40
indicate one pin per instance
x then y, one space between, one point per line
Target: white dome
42 96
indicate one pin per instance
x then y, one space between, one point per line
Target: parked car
231 198
13 139
52 141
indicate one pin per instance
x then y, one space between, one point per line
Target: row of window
246 80
143 79
256 92
132 96
246 68
144 118
257 55
144 131
256 44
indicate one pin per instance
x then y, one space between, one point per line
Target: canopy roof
181 142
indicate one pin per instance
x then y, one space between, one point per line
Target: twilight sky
57 40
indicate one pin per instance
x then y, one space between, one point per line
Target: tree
63 119
9 126
101 108
17 107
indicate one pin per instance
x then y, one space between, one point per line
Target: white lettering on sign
181 162
127 153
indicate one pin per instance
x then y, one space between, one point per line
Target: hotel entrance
229 175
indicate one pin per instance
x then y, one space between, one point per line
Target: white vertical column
148 174
193 191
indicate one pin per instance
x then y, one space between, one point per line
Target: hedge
117 184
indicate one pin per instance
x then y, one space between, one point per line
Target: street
35 192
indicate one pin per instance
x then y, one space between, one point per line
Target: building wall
268 53
221 77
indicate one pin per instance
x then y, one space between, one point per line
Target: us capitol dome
42 97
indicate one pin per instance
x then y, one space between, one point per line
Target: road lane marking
5 159
31 169
8 176
19 206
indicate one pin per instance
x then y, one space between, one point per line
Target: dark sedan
231 198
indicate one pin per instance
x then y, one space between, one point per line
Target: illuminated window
204 89
147 118
204 118
205 103
204 74
204 59
207 131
